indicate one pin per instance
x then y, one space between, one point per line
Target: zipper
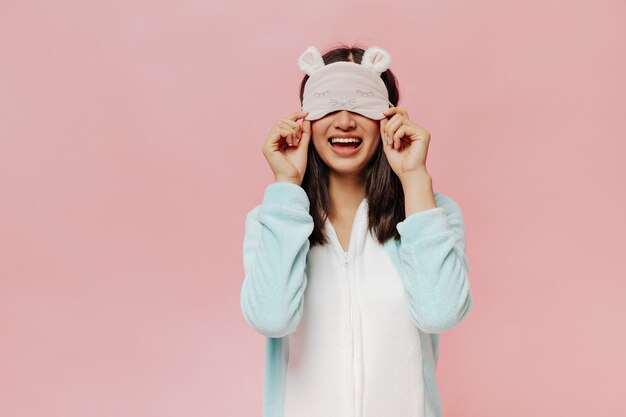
346 267
347 270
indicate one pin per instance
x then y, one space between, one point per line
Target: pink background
130 153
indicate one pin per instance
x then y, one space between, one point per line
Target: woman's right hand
285 148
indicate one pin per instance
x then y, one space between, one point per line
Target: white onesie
356 352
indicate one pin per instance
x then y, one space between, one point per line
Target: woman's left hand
407 151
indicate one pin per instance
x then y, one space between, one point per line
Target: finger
292 138
397 137
287 133
278 139
383 136
383 139
390 111
397 110
299 131
305 134
283 133
297 115
392 126
292 124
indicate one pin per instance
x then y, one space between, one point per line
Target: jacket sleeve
434 266
275 247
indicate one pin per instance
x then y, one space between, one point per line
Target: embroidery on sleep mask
345 85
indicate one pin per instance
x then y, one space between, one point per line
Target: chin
346 167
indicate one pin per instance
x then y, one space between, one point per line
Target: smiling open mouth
345 143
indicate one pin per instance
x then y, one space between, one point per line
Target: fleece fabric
352 333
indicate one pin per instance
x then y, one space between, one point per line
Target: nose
344 119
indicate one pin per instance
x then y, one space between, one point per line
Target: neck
346 192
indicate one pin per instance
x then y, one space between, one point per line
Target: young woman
353 264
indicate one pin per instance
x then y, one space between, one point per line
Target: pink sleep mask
345 85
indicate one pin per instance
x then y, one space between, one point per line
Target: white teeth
345 140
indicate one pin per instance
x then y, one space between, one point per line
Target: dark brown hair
383 188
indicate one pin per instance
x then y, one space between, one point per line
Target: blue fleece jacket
430 259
